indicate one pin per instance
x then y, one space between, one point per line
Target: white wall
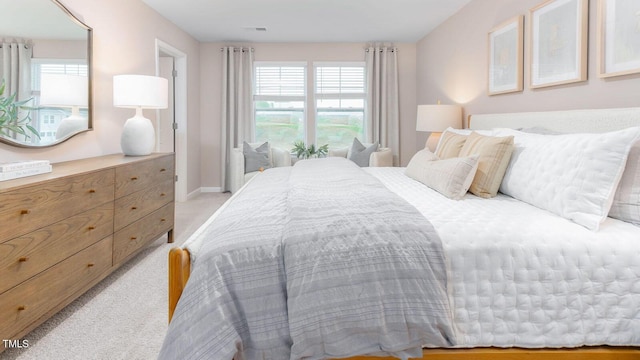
211 71
124 33
452 67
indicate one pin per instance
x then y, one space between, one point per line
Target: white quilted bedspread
521 276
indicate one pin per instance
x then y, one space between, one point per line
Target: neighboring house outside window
332 113
49 117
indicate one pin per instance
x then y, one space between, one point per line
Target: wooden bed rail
180 269
583 353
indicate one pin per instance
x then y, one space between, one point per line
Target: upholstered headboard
570 121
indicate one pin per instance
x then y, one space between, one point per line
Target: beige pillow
450 145
495 153
450 177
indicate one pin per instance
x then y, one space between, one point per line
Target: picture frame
558 43
506 57
618 37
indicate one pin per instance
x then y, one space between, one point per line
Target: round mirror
45 73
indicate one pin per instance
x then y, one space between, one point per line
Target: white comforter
315 261
521 276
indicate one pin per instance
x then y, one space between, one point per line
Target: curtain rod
26 42
381 50
238 49
26 46
251 49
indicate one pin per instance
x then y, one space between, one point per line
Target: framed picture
618 37
558 42
506 57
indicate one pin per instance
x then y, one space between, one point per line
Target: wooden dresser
63 232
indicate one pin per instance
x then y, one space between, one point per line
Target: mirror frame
89 81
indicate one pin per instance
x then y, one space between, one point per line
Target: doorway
171 123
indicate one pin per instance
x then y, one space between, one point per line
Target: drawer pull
90 265
25 212
23 259
134 178
92 191
22 308
163 170
163 220
163 194
91 228
134 208
134 238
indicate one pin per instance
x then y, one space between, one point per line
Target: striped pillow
626 203
494 155
450 145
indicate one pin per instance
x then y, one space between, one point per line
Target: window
340 95
280 103
335 115
49 115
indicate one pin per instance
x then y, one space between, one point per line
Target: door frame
180 106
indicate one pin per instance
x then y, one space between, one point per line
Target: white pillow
572 175
451 177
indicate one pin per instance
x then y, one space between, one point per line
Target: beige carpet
125 315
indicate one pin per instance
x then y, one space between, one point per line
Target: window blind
280 81
340 80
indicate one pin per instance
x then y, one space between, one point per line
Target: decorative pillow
256 158
450 145
494 155
450 177
626 202
572 175
360 154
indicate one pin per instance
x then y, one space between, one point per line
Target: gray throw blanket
315 261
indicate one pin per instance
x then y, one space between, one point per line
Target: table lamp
66 91
139 92
436 119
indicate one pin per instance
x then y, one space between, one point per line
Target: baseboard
194 194
210 189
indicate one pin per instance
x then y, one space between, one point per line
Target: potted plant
10 116
304 152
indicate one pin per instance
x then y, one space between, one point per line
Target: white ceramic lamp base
71 125
138 136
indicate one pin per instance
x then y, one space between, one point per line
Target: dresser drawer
139 176
25 256
26 303
133 237
135 206
30 208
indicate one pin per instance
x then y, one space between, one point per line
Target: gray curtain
237 104
15 64
383 114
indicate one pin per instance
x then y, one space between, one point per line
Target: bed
512 289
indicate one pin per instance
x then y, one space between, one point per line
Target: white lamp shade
140 91
437 118
58 90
